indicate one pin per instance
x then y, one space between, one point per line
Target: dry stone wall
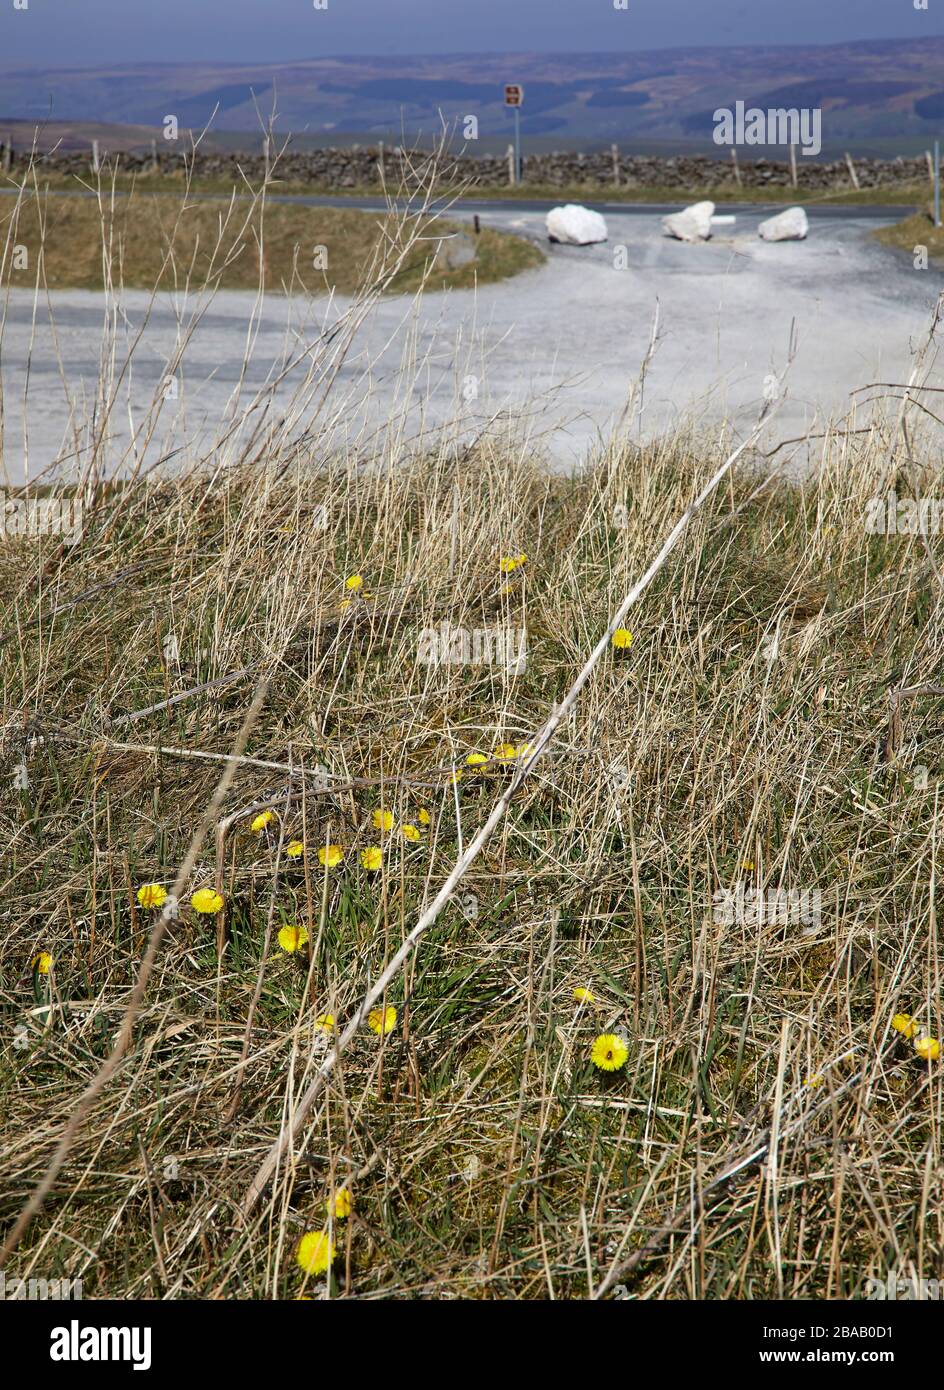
359 167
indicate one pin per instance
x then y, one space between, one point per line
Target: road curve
562 343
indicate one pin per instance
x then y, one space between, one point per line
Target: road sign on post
514 97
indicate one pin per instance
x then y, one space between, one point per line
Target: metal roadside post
514 97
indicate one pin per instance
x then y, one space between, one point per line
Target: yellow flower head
152 895
316 1252
325 1022
372 858
477 760
622 639
583 996
521 558
354 582
339 1206
929 1049
411 833
507 564
207 900
261 821
292 939
456 776
814 1082
383 820
609 1052
382 1020
42 963
295 849
511 752
423 816
905 1025
330 856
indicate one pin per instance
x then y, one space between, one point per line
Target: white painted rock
691 224
792 225
575 225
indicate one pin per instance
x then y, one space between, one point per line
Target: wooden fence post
737 167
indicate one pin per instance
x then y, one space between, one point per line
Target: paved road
563 342
498 206
879 212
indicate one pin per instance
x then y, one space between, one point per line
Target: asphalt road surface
558 347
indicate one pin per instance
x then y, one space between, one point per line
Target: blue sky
90 32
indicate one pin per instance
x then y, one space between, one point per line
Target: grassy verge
917 230
156 241
741 742
725 191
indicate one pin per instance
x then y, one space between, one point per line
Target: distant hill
877 97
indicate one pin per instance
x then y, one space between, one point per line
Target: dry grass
151 241
748 724
725 190
917 230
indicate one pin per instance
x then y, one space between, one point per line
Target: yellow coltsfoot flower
292 939
622 639
207 900
928 1049
152 895
330 856
339 1206
382 1021
372 858
42 963
316 1252
609 1052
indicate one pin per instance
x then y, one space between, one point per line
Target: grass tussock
913 232
744 737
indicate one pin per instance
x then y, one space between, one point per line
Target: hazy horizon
54 33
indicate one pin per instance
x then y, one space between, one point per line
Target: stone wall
358 167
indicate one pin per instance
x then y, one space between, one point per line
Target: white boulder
792 225
575 225
691 224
